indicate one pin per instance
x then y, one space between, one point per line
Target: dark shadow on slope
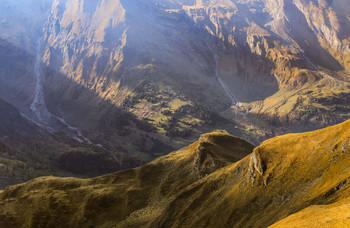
27 150
16 75
249 76
308 41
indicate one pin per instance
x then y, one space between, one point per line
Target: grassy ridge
126 195
213 182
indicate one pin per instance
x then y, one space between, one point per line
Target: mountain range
139 79
129 81
104 101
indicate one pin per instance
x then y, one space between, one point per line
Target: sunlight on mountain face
91 87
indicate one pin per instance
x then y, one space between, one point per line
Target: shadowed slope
28 151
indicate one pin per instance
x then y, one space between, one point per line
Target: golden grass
332 215
211 183
131 197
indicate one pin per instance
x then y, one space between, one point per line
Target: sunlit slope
334 215
132 197
282 176
201 185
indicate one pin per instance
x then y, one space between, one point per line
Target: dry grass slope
128 198
211 183
333 215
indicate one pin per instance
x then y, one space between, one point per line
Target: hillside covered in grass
219 181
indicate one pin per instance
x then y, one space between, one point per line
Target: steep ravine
41 114
38 106
234 101
44 118
229 93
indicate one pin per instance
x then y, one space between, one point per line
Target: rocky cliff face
140 57
272 56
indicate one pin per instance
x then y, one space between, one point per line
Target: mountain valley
160 73
174 113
